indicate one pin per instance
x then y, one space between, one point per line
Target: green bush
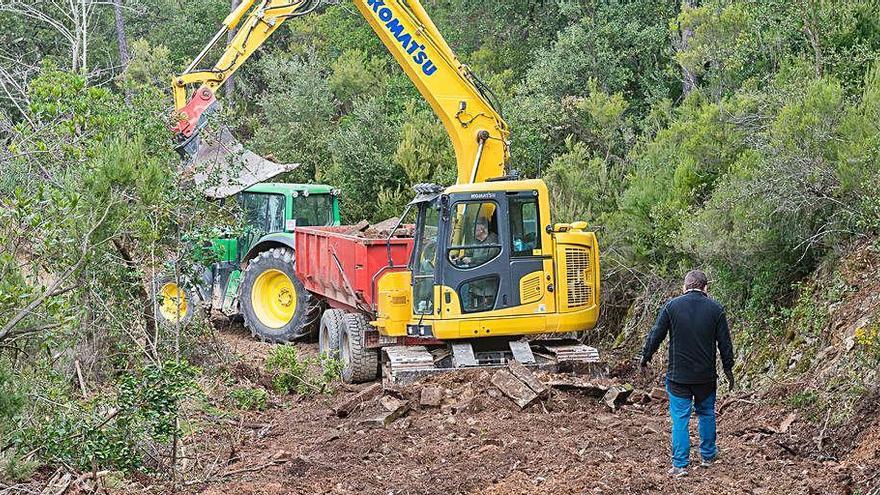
305 376
249 398
110 430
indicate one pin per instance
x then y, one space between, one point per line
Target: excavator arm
478 133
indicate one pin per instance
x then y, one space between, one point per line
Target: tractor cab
270 212
274 208
281 207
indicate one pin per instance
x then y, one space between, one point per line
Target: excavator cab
488 262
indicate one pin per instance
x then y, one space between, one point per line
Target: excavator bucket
220 166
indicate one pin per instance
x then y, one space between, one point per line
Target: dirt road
479 442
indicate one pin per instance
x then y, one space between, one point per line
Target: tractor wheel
175 304
273 301
359 364
330 332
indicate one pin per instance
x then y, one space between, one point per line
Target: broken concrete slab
431 396
617 395
391 403
592 389
387 417
345 407
514 388
526 376
358 227
385 225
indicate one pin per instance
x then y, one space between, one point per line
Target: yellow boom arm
478 132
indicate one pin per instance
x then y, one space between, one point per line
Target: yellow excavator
486 265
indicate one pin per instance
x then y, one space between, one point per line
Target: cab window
525 237
425 263
313 210
263 213
474 234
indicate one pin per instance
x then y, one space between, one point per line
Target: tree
229 90
122 41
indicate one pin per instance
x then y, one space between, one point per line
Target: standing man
696 323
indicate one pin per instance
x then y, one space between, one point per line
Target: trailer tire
273 301
359 363
164 289
330 332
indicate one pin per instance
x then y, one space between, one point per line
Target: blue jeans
680 410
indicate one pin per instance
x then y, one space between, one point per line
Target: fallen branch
79 377
732 401
252 469
821 438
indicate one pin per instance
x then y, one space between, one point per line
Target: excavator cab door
475 255
491 253
423 263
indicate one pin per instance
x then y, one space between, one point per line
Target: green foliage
12 397
155 394
296 113
249 398
18 469
424 151
361 159
150 66
304 376
803 400
617 44
354 75
110 430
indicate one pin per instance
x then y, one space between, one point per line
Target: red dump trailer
343 268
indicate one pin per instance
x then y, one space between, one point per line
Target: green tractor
253 276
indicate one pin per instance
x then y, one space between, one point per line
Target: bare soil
478 441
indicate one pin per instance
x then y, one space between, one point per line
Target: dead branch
252 469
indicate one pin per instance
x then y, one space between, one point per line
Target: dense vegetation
739 136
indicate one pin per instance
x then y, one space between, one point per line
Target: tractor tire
174 304
330 332
359 364
273 301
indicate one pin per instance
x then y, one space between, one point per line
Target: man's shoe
677 472
707 463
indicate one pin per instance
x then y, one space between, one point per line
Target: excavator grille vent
577 272
530 288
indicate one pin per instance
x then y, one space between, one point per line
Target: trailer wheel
359 364
330 332
274 303
175 304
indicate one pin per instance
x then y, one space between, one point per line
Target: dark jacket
695 324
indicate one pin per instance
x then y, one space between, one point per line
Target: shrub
249 398
305 376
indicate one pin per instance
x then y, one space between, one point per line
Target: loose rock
431 397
